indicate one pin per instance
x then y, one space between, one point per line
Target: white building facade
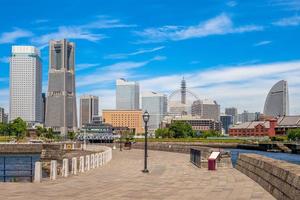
127 95
157 106
26 84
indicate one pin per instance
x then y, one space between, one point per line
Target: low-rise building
286 123
197 123
131 119
255 128
96 131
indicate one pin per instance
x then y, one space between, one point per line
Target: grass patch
203 140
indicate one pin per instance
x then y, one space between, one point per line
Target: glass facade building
127 95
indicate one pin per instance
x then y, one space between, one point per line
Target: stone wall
280 178
20 148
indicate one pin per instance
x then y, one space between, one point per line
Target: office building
61 112
89 108
248 117
3 116
277 101
26 84
207 109
227 122
233 112
156 104
127 95
131 119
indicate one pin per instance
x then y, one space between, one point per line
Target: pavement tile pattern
171 176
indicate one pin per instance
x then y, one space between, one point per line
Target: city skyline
235 61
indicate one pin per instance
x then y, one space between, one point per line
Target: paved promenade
171 177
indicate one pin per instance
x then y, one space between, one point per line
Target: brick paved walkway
171 177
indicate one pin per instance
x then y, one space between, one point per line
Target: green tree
294 134
181 129
18 128
210 133
71 135
49 134
163 133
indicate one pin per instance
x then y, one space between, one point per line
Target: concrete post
87 163
100 159
81 164
37 172
65 146
74 166
53 170
97 159
73 146
65 168
92 161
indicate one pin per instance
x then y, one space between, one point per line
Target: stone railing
100 156
280 178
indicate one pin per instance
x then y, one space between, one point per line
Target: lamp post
146 117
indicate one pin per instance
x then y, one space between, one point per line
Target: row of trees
183 130
18 128
15 128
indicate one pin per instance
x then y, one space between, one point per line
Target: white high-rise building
157 105
26 84
127 95
277 101
89 108
207 109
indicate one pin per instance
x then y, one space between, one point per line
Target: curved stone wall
280 178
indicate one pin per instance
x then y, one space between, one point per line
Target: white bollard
65 146
37 172
92 161
65 168
74 166
97 159
53 170
87 163
81 164
101 159
73 146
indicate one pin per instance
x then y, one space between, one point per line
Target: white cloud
262 43
231 3
40 21
138 52
11 37
289 21
106 24
70 33
244 86
110 73
84 66
287 4
219 25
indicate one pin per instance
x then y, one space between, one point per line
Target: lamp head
146 116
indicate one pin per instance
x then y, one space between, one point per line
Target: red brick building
255 128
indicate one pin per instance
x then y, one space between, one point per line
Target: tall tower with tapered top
61 112
183 91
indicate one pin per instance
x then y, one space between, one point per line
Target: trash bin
211 164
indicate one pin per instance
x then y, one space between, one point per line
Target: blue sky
227 50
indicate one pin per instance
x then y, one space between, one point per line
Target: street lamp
146 117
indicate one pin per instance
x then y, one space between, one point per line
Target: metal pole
146 148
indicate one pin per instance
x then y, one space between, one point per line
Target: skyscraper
277 101
227 122
127 95
233 112
61 112
156 104
89 108
26 84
